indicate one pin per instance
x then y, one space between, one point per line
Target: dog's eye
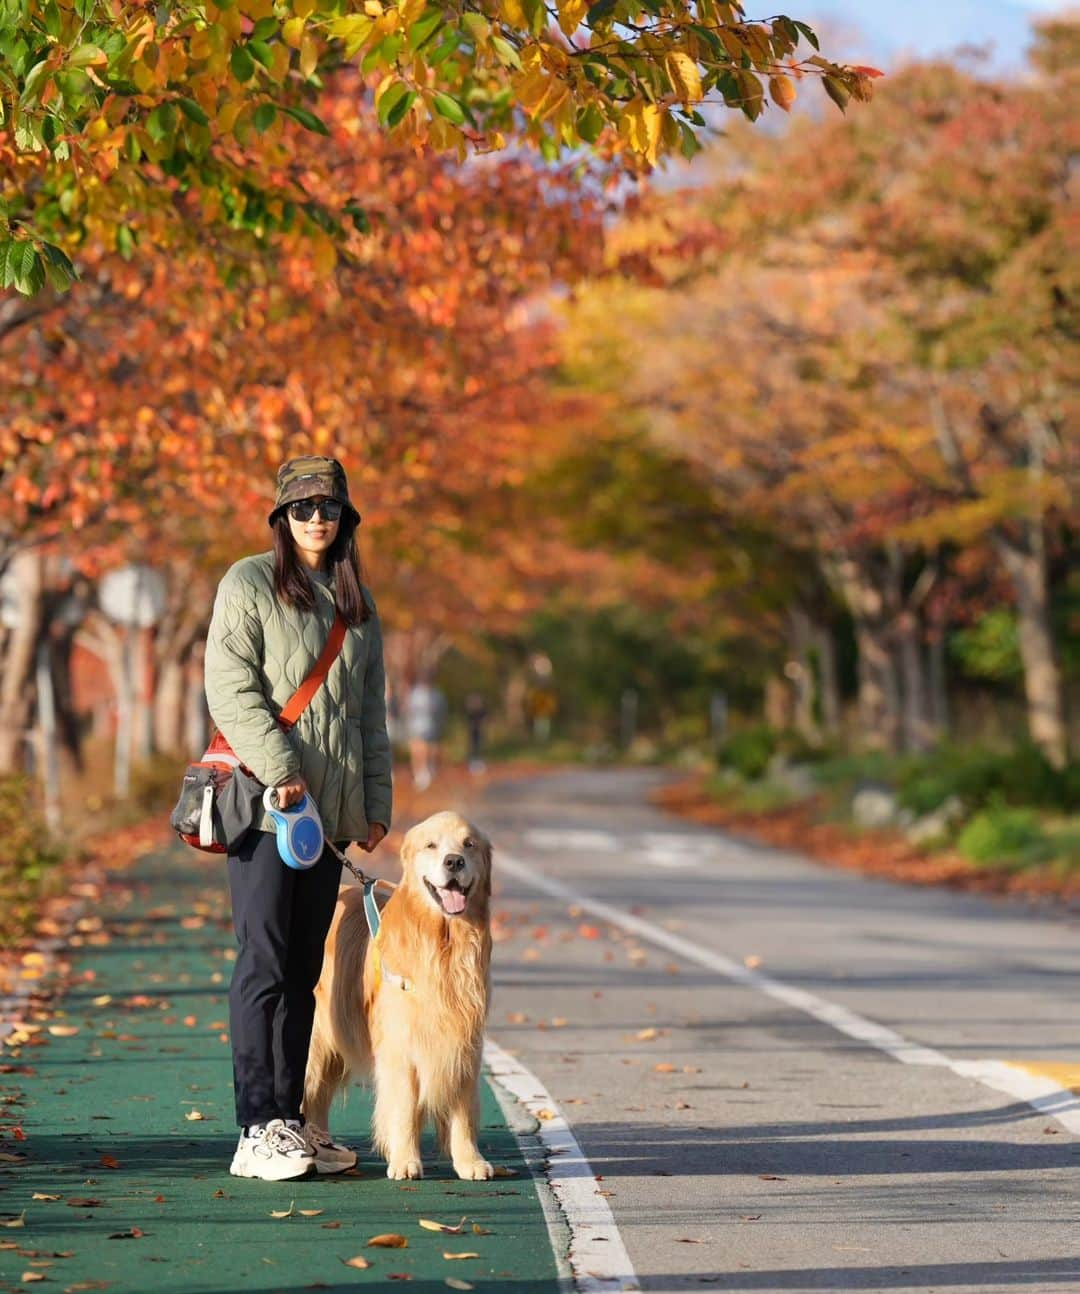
468 842
431 844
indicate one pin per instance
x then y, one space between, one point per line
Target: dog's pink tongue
452 900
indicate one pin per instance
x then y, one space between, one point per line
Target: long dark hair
342 563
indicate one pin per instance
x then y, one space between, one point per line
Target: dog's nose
454 862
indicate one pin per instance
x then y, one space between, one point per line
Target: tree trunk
778 701
800 669
939 695
918 728
878 687
169 700
825 644
16 683
1026 564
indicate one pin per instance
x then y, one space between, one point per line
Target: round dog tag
299 829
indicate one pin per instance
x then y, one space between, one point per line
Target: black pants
281 918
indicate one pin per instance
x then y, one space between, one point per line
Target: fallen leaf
687 1240
107 1161
749 1217
455 1284
665 1067
545 1113
647 1035
283 1213
37 1195
588 932
219 1195
32 1276
330 1226
478 1230
691 1069
134 1234
103 1000
516 1017
77 1202
63 1030
770 1177
388 1240
360 1262
193 1115
430 1225
310 1213
191 1021
159 1199
20 1221
752 960
80 1286
501 1170
398 1276
466 1254
558 1021
5 1158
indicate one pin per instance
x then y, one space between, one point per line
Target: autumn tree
137 128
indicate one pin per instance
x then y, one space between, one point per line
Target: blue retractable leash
300 842
300 838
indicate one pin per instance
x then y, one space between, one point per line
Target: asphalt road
745 1140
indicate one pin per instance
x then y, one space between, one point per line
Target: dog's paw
474 1170
398 1170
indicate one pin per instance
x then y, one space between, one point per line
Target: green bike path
121 1103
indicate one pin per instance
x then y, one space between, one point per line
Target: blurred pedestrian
425 716
475 718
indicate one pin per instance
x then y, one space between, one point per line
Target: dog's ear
407 851
485 854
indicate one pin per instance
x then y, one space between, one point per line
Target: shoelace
321 1135
285 1139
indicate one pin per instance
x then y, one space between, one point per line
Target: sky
881 31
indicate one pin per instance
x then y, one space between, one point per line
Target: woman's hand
291 792
376 831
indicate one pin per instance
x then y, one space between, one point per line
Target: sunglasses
305 509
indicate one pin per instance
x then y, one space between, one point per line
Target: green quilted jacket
258 652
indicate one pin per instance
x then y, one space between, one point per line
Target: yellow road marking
1066 1074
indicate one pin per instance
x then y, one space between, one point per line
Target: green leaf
34 78
192 110
391 97
264 29
87 56
125 242
261 52
590 124
307 119
837 91
161 124
397 113
359 216
58 267
241 63
449 108
264 117
689 144
808 33
506 53
425 27
477 26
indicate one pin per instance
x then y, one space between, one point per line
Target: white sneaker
274 1152
330 1156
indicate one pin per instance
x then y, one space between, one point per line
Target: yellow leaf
429 1225
453 1283
470 1254
193 1116
643 128
292 32
388 1240
38 1195
309 55
782 91
310 1213
411 10
32 1276
571 14
684 75
513 11
359 1262
283 1213
20 1221
63 1030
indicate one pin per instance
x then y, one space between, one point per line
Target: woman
272 616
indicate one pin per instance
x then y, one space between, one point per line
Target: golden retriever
415 1023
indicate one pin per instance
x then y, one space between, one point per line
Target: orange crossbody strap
298 702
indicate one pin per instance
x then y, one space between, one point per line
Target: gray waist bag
217 806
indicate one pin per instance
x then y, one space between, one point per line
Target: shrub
27 855
1005 836
748 751
978 777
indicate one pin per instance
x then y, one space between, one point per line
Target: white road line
1040 1093
598 1257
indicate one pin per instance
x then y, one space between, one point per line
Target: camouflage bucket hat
303 478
